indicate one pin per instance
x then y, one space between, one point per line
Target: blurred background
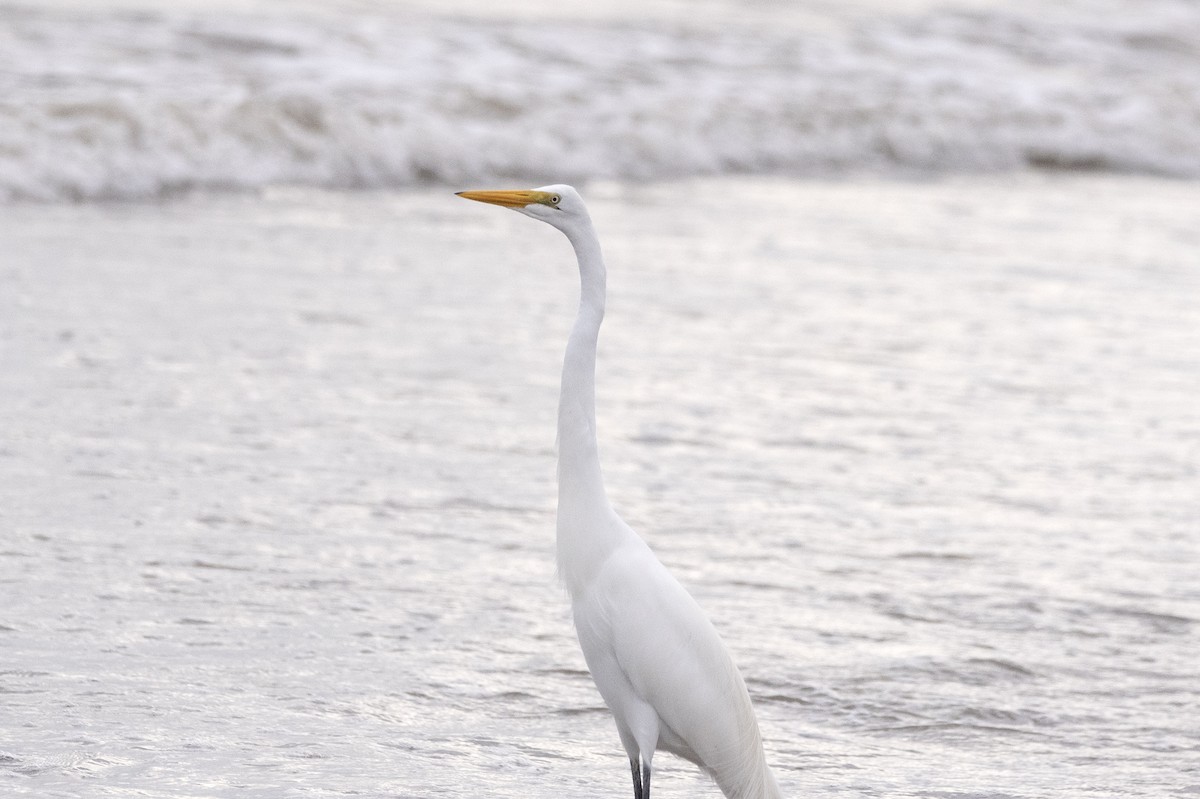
899 376
143 99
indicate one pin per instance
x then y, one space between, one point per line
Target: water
899 377
276 486
97 104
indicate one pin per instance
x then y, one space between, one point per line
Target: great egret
654 655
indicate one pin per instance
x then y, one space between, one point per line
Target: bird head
558 205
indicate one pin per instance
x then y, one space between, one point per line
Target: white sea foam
128 105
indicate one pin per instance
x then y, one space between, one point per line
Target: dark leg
646 780
637 778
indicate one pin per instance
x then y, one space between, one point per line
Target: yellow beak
508 199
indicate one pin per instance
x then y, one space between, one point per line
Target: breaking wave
139 105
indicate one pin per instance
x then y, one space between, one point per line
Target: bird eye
554 198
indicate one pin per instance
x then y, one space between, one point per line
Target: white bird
654 655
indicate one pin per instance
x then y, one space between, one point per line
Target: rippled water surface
276 486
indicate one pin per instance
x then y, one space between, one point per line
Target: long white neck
587 526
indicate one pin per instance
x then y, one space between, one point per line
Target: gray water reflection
276 487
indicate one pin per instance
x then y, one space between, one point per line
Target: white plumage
655 657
